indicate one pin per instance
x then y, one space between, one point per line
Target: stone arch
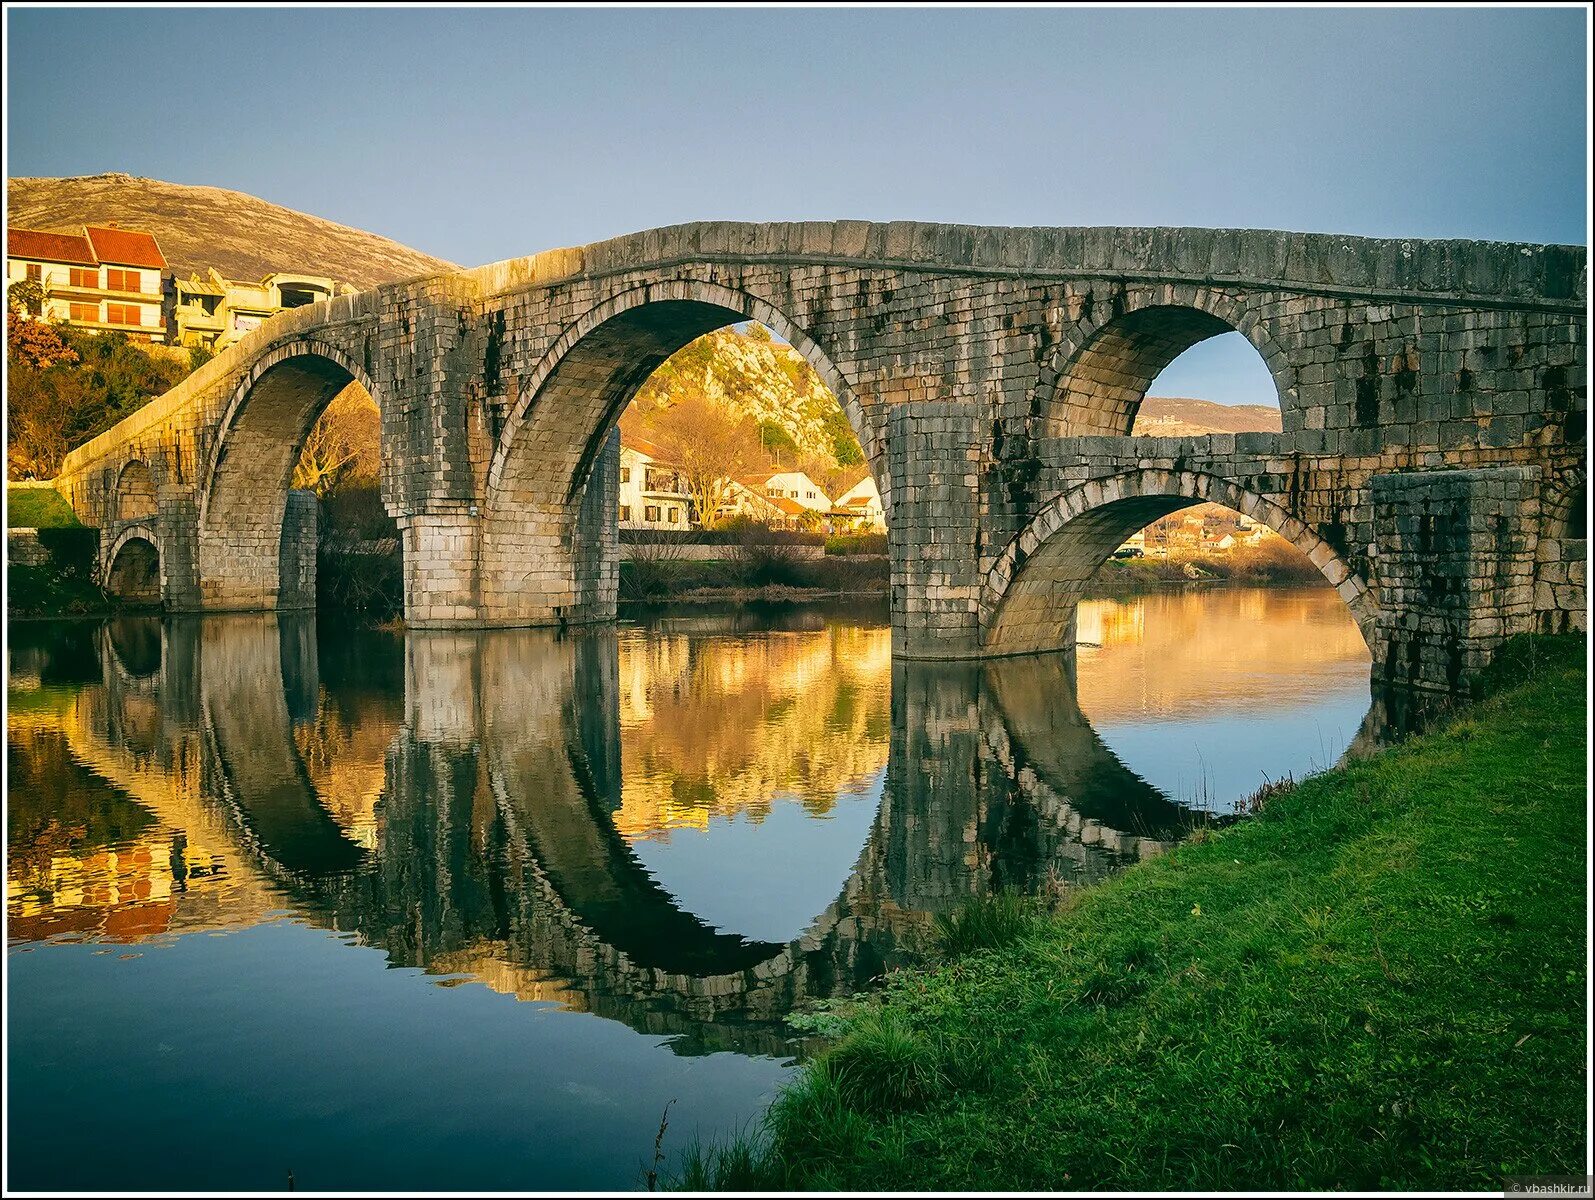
543 556
612 349
244 495
135 570
135 498
1028 597
1565 509
1113 352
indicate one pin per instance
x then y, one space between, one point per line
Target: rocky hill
1176 416
242 236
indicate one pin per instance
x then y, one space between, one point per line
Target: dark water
465 911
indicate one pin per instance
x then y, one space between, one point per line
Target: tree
25 296
343 446
65 386
709 445
37 344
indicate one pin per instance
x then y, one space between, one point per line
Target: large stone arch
244 492
543 529
1114 350
654 321
1028 597
135 498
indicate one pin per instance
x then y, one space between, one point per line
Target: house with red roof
105 278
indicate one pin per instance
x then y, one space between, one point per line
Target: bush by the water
1273 560
359 560
64 585
856 543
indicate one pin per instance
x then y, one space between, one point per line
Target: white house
795 485
652 495
859 508
104 279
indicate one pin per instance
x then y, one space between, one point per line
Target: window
651 513
124 314
675 514
625 512
120 280
35 272
625 477
776 492
83 312
84 277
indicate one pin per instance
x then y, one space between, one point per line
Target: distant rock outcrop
241 236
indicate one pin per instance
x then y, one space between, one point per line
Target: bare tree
343 445
708 445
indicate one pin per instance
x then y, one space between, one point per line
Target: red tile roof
49 247
126 247
787 505
643 446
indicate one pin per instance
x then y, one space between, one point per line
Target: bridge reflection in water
458 799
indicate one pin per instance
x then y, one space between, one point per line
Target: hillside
760 378
1175 416
242 236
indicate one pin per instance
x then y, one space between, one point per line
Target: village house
652 495
859 509
106 279
746 497
795 485
209 310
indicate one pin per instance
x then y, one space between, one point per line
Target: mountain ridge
241 236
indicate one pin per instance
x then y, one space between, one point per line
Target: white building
860 509
795 485
105 279
652 495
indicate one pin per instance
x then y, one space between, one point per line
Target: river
467 910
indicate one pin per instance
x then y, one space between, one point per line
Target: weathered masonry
1432 460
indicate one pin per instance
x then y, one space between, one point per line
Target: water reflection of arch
1048 748
255 672
497 853
512 735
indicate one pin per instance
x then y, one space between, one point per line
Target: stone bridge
1431 461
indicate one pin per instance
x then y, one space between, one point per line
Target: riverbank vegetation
65 386
1375 982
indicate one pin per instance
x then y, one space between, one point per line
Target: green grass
38 508
1376 982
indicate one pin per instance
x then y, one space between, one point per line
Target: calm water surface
466 910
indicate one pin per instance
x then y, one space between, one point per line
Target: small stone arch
136 497
1028 597
687 309
1113 351
135 569
1565 509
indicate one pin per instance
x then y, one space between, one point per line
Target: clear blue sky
486 134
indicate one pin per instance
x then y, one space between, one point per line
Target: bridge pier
441 559
1456 567
934 529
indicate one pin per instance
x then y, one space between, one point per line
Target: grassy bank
1378 981
38 508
